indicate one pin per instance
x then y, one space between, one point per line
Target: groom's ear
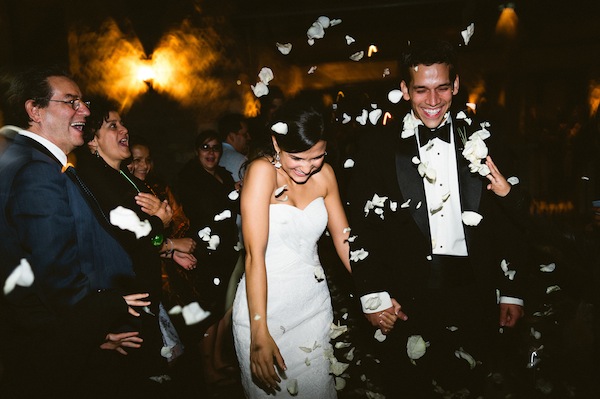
404 89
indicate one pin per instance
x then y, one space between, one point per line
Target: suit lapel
469 183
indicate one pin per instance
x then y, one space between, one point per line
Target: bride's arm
337 222
255 201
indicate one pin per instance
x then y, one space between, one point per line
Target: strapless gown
299 312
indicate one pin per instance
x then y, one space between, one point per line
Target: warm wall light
145 72
507 22
594 96
372 49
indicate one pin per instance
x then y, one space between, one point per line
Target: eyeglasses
213 148
75 103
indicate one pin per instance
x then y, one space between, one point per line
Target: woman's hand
264 356
187 261
122 340
187 245
152 205
386 319
136 300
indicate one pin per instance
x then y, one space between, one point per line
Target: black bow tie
441 132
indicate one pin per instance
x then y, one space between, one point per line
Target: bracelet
170 251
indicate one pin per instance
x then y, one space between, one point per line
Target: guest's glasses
213 148
74 103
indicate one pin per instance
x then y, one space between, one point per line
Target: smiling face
59 122
141 163
112 140
209 155
430 92
300 166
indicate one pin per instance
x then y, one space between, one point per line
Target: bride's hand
264 356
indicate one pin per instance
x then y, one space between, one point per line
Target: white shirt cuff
376 302
512 301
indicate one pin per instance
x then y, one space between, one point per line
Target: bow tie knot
441 132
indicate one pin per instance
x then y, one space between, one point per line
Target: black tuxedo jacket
398 241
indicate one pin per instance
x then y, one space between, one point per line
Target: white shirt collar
50 146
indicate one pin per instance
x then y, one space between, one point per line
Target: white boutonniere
475 149
409 125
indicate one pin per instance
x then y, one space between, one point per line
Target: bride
282 310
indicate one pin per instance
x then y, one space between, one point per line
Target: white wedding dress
299 312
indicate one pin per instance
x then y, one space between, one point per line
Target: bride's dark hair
305 128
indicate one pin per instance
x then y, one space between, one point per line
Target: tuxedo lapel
469 182
411 183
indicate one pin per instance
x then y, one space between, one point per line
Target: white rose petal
316 31
349 163
167 352
234 195
338 368
216 281
340 345
463 115
334 22
280 190
204 234
375 115
363 117
226 214
280 128
335 330
126 219
357 56
193 313
419 205
260 89
265 75
452 328
319 273
349 40
312 70
386 72
378 201
513 180
284 48
393 206
292 386
257 317
346 118
395 96
471 218
340 383
535 334
460 353
324 21
311 42
416 347
357 255
373 302
352 238
175 310
213 242
552 288
22 275
405 204
548 268
467 33
379 336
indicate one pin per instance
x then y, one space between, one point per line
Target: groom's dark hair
427 53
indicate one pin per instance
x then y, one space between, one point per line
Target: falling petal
461 354
213 242
316 31
194 314
419 205
335 22
393 206
362 118
452 328
265 75
260 89
346 230
378 201
292 386
280 128
234 195
319 274
352 238
372 49
548 268
204 234
462 115
471 218
346 118
167 352
373 302
175 310
535 334
350 355
357 255
357 56
552 288
429 257
340 383
416 347
257 317
335 330
467 33
395 96
226 214
312 70
386 72
324 21
280 190
345 316
311 42
349 40
338 368
513 180
216 281
22 275
284 48
405 204
126 219
374 116
340 345
585 178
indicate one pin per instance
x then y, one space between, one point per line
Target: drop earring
276 161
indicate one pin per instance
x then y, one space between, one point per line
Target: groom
422 267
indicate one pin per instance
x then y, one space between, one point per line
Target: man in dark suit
422 267
50 329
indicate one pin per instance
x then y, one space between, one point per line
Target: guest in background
208 196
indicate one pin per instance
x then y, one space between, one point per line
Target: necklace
129 180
